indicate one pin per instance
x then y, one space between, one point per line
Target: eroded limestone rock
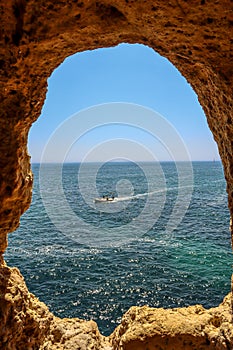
192 327
36 36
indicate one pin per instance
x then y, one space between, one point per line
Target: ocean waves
77 279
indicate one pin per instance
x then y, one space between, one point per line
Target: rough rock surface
36 36
172 329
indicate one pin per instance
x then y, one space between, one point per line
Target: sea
164 242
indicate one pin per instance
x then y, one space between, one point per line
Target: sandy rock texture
184 328
36 36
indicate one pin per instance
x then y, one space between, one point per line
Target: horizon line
128 161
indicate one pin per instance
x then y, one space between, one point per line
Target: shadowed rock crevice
36 36
109 13
19 8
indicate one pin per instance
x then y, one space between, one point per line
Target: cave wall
36 36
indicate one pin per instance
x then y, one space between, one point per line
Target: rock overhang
196 36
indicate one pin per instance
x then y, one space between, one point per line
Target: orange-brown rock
184 328
36 36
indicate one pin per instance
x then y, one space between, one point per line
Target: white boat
105 199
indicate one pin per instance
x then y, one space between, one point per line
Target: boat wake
141 195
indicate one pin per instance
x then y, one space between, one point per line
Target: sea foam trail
141 195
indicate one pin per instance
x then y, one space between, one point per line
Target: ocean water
94 261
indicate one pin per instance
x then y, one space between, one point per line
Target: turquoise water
155 267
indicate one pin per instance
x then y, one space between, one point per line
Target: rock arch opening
52 260
196 38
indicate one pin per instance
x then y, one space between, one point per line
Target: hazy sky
126 73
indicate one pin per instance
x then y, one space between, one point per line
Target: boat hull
105 200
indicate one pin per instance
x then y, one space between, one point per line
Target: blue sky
126 73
